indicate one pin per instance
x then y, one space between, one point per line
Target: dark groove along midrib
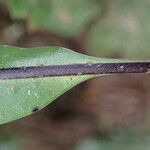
73 69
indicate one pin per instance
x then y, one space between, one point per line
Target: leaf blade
22 97
18 98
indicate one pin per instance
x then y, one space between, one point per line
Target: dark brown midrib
73 69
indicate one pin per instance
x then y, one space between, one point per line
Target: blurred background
109 113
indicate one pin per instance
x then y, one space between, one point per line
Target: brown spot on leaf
35 109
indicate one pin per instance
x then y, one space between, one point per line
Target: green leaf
64 17
20 97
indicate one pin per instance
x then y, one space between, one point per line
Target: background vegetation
102 114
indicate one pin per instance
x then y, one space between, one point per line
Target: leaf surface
20 97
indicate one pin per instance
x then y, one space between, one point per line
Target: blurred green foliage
124 140
124 28
66 17
9 141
